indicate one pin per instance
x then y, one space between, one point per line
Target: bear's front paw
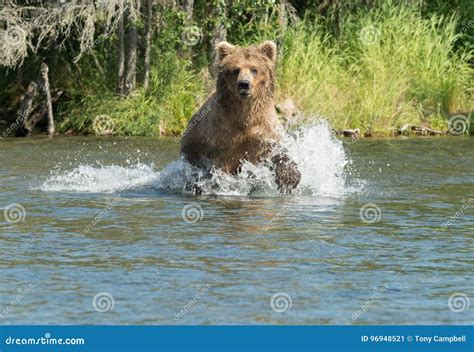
287 177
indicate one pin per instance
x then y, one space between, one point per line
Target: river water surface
99 231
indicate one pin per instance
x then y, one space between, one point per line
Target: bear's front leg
287 175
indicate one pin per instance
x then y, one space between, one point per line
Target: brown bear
239 122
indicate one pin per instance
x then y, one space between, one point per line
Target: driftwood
291 116
39 112
407 129
32 111
355 133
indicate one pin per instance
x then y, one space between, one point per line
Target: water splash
319 155
102 179
321 159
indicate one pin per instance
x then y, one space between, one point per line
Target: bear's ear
269 48
223 49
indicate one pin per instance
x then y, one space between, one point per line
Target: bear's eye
236 71
254 71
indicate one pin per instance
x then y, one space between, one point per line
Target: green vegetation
372 67
388 67
175 92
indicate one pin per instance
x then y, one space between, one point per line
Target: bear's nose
244 84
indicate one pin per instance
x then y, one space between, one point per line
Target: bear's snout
244 87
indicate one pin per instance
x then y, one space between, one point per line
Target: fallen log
348 133
408 129
39 112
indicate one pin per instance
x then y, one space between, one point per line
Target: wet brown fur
229 127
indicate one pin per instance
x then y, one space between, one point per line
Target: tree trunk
121 56
27 102
219 34
25 109
49 103
131 46
97 63
148 36
188 8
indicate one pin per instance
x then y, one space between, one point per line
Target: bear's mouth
244 93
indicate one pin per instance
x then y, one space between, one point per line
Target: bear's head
246 72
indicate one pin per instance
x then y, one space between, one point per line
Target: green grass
175 93
387 67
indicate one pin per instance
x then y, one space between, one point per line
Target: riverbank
380 71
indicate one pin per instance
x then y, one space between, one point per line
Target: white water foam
319 155
101 179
